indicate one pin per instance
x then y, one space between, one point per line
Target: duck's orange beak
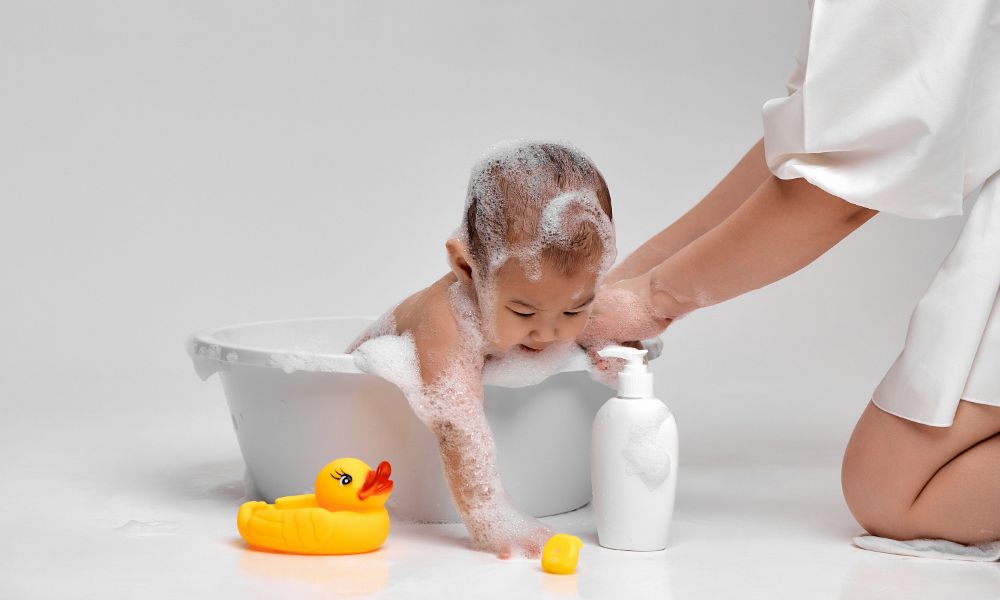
377 481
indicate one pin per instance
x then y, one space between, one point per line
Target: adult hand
622 314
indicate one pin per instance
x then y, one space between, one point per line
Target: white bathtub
298 402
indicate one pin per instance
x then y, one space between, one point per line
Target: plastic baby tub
297 402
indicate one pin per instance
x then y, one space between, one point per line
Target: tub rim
211 354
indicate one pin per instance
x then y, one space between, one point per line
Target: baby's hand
505 531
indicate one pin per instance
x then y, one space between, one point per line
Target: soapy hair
538 202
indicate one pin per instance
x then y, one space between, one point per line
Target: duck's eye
344 478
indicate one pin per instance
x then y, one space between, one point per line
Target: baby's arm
452 407
447 395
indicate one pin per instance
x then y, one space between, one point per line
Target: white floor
128 501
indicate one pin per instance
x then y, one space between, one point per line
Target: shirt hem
908 418
978 401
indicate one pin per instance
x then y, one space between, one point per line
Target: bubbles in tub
290 362
384 325
646 453
521 368
393 358
306 356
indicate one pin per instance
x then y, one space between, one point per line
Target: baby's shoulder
437 336
426 315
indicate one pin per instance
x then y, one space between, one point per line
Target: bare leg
904 480
962 500
714 208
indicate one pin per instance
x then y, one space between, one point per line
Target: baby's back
429 318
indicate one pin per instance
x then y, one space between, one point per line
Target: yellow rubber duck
345 515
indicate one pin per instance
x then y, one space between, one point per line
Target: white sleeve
879 101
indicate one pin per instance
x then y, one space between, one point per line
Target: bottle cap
635 380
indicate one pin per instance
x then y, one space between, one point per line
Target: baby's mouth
530 349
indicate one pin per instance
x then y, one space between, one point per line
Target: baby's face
536 314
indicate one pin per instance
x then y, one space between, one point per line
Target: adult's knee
869 495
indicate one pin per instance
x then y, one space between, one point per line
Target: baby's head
535 239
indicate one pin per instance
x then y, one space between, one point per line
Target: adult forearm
781 228
714 208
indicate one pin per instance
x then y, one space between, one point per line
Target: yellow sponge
561 553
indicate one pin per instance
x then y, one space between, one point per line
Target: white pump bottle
633 461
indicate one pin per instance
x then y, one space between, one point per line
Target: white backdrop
172 166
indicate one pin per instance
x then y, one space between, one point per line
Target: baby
535 239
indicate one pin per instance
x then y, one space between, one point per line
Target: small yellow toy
561 553
346 515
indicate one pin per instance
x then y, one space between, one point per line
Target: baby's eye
520 314
572 314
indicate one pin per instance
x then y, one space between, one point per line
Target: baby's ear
458 259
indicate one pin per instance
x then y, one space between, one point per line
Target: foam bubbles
547 191
468 314
384 325
393 358
491 224
289 362
307 356
564 215
521 368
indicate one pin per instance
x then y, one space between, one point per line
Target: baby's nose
544 334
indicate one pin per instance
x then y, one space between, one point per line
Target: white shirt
895 106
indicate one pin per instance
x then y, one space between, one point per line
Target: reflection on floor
112 529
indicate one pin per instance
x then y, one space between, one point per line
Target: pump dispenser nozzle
635 381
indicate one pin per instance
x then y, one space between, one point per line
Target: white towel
929 548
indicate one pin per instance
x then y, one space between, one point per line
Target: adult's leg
905 480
